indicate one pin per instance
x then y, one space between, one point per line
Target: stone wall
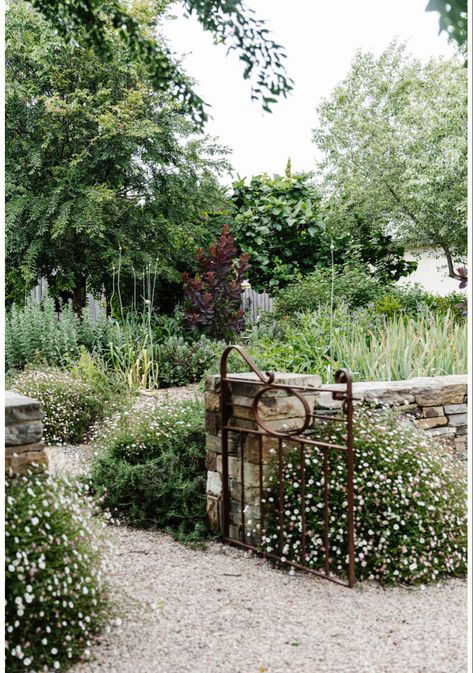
438 405
24 449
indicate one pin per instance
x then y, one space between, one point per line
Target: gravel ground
218 610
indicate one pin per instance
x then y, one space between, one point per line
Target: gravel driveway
220 611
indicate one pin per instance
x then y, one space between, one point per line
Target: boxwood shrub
150 469
410 504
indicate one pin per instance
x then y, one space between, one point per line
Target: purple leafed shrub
214 295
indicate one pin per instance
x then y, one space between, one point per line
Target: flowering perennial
70 405
410 504
55 591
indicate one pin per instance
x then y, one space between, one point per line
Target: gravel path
218 610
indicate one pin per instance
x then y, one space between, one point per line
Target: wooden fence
256 303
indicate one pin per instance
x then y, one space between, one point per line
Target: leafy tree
214 295
453 18
280 223
99 167
229 21
394 143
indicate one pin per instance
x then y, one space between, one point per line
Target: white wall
431 271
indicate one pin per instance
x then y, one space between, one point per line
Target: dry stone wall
24 448
438 405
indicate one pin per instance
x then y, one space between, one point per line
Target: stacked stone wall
24 448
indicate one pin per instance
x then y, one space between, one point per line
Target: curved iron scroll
266 377
274 433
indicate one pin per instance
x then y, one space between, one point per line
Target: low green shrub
150 468
352 286
56 597
410 504
70 404
182 362
412 299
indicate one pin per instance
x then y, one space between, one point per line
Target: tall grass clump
372 346
55 576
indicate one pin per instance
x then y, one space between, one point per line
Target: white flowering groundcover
56 593
410 504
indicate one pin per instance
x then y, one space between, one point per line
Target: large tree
98 165
393 137
230 22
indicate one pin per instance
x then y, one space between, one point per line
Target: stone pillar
278 410
24 449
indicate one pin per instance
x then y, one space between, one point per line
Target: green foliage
35 335
230 23
151 469
70 405
182 362
279 221
351 285
410 504
453 19
394 144
55 579
102 171
374 348
412 299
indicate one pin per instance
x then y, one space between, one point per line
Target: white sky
320 40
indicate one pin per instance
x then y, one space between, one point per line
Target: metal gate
308 446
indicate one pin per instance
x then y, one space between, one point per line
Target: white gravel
218 610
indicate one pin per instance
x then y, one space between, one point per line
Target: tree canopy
280 222
230 21
99 166
393 137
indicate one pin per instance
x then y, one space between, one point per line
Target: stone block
20 408
456 420
461 430
213 513
251 495
22 448
431 412
441 432
211 460
214 483
211 401
213 442
435 393
21 463
27 432
269 448
212 422
456 409
433 422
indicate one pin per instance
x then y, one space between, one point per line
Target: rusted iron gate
301 437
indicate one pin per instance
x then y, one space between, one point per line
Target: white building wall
431 272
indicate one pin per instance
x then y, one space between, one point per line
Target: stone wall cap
13 400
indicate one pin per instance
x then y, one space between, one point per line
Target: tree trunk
78 295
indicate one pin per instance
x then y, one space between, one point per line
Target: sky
320 38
